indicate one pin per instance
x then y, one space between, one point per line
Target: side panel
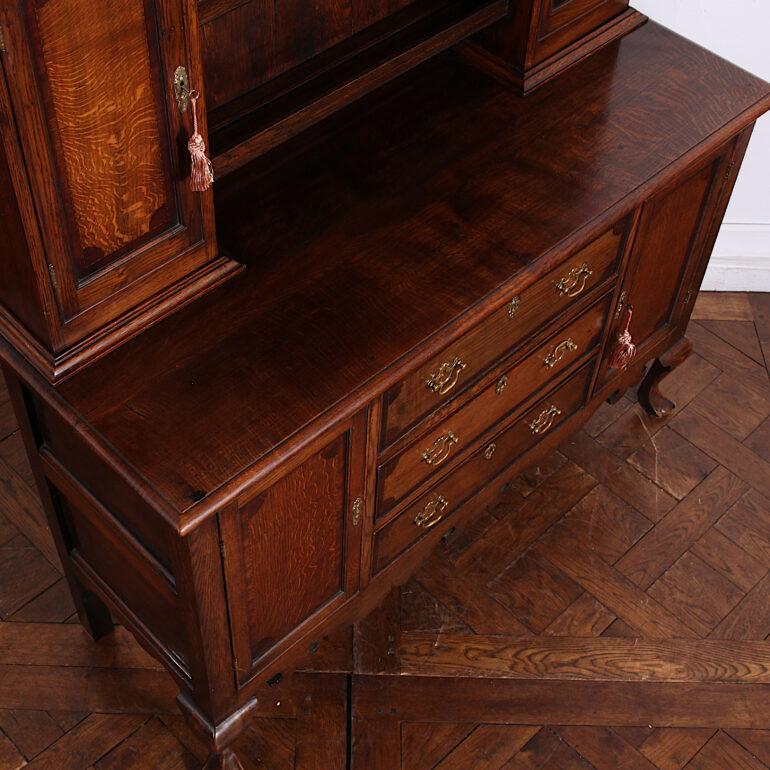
671 242
292 549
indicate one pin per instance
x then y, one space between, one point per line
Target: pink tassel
625 350
202 172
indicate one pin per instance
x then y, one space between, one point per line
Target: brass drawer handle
440 450
432 513
446 377
558 353
574 283
545 421
490 451
513 306
502 384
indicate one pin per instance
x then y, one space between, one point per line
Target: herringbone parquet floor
612 611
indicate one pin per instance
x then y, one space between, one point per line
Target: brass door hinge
3 49
54 278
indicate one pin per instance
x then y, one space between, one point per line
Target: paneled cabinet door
292 546
674 240
562 22
104 144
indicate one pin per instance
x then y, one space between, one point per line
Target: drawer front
438 448
444 498
461 362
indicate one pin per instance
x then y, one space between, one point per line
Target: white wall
739 30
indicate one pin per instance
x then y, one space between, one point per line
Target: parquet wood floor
611 611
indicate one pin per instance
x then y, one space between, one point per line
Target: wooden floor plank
604 749
488 747
649 558
57 644
527 702
671 748
112 691
88 742
723 306
722 752
598 659
31 731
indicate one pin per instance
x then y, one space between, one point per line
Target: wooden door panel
562 22
292 549
672 241
105 121
105 146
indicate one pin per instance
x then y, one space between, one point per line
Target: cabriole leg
649 394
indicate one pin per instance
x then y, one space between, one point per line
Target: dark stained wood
123 239
246 477
433 641
537 41
462 264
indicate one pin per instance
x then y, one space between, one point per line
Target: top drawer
453 369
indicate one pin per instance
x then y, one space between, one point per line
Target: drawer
400 475
482 466
461 362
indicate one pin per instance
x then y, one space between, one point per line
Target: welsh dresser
440 234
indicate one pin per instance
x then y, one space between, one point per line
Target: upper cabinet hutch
440 234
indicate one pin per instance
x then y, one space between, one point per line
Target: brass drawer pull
558 353
490 451
446 377
545 421
440 450
513 306
432 513
574 283
502 384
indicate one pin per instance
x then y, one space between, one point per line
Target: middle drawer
397 477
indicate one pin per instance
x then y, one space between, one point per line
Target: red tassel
625 350
202 172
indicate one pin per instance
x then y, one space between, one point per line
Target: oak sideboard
440 234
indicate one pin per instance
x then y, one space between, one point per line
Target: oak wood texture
632 678
212 484
537 41
504 331
113 236
422 296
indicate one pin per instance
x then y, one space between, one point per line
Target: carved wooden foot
649 394
226 760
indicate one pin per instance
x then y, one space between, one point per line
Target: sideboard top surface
365 245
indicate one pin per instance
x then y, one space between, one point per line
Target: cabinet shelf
237 139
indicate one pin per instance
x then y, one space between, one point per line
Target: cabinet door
104 143
562 22
292 546
674 240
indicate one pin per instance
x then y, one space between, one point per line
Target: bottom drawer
444 498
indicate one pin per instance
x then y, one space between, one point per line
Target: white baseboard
741 260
